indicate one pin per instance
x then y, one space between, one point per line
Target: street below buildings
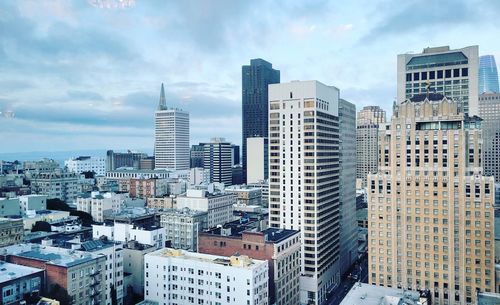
358 272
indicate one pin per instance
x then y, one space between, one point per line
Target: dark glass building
488 74
255 79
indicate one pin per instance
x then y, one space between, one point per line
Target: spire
163 104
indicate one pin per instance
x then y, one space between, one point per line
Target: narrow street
338 294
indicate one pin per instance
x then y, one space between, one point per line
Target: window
447 73
465 71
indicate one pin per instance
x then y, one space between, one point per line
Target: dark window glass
424 75
456 72
432 74
447 73
440 74
416 76
465 71
408 77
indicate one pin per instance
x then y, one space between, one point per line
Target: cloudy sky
82 77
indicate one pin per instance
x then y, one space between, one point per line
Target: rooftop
182 212
12 271
233 261
52 255
278 235
365 294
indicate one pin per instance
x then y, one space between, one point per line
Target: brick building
281 248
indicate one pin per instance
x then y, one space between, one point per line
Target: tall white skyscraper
171 136
453 73
304 178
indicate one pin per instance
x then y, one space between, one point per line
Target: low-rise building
81 275
132 215
86 164
280 248
16 281
55 184
366 294
133 264
195 278
11 231
144 188
10 207
246 195
127 173
33 203
53 217
182 227
96 203
218 205
264 188
123 232
162 203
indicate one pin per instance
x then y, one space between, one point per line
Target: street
338 294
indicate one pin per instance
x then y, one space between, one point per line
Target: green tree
59 293
84 217
58 205
41 226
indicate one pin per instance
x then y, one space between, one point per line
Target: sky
76 75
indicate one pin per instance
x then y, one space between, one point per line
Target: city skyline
94 73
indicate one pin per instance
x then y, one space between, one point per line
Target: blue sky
82 77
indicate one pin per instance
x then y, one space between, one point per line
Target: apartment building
218 205
17 280
11 231
182 227
96 203
181 277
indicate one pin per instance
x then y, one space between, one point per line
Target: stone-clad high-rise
255 79
171 136
430 208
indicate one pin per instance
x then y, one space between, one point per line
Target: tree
84 217
57 204
59 293
41 226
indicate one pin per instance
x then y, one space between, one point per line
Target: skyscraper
217 159
171 136
430 209
367 125
255 80
489 111
348 224
304 178
453 73
488 75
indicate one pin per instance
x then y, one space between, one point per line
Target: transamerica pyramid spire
163 103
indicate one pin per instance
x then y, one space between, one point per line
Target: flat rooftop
278 235
365 294
10 271
234 261
54 255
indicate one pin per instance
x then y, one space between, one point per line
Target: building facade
182 227
86 164
246 195
115 160
367 124
218 205
489 111
11 231
348 224
488 75
33 203
56 184
123 232
144 188
196 156
304 178
430 208
452 73
16 281
181 277
96 204
281 248
171 136
255 79
257 159
217 159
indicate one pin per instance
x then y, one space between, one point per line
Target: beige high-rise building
430 209
367 124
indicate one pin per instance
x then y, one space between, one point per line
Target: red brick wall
55 274
211 244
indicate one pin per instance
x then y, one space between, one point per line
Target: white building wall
33 202
187 278
92 164
219 207
172 149
255 160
